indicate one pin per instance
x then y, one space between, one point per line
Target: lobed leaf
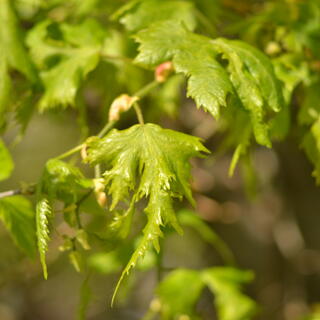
253 78
192 55
248 77
66 54
151 162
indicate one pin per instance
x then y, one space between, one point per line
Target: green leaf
66 54
253 78
62 180
192 55
43 214
225 284
159 156
13 55
248 77
6 162
12 47
139 14
62 82
178 294
17 214
150 162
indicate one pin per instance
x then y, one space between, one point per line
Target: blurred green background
270 220
276 234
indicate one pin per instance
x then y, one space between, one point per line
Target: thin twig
138 111
146 89
10 193
106 128
70 152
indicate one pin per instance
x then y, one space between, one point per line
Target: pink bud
121 104
163 71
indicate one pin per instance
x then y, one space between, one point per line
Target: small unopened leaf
43 215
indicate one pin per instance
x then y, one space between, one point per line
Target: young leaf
17 214
225 284
43 214
249 75
66 64
192 55
253 78
6 163
178 294
139 14
62 180
12 47
151 162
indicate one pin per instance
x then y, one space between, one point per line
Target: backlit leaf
147 161
67 53
17 214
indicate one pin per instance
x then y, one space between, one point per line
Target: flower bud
83 152
101 199
121 104
101 196
163 71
